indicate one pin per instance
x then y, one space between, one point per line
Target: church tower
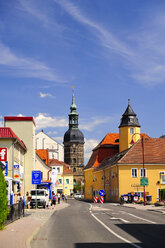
129 128
74 145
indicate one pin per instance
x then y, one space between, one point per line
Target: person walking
58 196
53 200
66 198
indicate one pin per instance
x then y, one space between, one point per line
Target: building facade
24 127
138 157
56 150
74 146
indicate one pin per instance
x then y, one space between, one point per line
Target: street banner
54 176
3 154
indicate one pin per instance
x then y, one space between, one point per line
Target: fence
16 211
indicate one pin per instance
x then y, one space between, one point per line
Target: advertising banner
16 171
3 154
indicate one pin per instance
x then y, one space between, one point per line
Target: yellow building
123 172
61 177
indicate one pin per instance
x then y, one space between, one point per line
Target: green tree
3 200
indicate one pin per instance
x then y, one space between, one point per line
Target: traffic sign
101 192
144 181
36 177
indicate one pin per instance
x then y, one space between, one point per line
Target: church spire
73 116
73 106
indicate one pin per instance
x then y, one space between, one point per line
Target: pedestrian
58 196
63 197
53 199
66 197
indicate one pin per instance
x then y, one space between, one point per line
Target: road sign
36 177
16 171
144 181
101 192
3 154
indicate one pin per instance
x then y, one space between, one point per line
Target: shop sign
16 171
3 154
36 177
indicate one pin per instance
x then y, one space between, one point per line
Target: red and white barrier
101 199
95 199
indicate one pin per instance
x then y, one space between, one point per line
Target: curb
29 239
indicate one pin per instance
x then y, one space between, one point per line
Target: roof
7 133
108 147
154 152
19 118
129 117
56 162
43 154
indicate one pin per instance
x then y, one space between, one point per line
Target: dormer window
131 119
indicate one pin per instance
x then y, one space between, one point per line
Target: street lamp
142 144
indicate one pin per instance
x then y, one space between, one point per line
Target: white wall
56 150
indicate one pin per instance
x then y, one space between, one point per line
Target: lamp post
142 144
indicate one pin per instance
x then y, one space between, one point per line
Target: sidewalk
19 233
160 209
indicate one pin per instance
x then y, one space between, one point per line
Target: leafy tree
3 200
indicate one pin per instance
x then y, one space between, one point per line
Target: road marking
125 221
111 231
139 217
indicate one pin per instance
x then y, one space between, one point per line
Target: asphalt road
84 225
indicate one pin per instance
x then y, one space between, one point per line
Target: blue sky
110 50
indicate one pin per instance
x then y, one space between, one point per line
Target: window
134 172
162 177
131 119
58 170
74 160
60 181
131 130
141 194
74 169
67 181
141 172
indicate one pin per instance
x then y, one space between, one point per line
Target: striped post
95 199
101 199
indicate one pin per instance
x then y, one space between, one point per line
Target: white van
40 196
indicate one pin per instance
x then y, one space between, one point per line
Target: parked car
39 196
77 196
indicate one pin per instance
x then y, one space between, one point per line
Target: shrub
3 200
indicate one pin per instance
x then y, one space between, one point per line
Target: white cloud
107 39
90 144
1 121
43 95
25 67
43 15
52 133
43 120
95 121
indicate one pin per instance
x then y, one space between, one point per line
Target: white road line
125 221
139 217
111 231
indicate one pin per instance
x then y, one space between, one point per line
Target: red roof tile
66 167
6 132
44 155
19 118
154 152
